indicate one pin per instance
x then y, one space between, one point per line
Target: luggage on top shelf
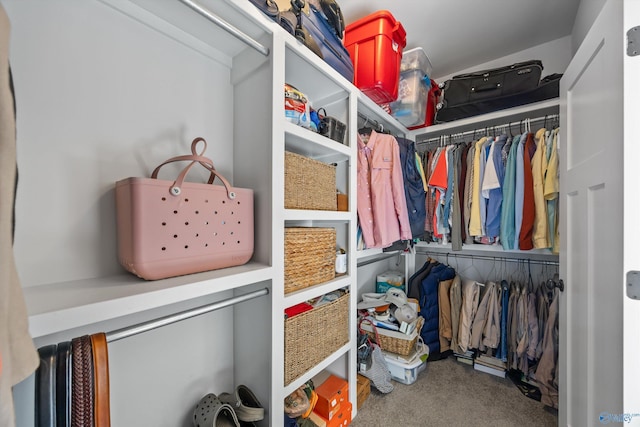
318 24
481 92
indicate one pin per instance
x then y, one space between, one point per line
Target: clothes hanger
365 130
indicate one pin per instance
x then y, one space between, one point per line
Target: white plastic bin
405 373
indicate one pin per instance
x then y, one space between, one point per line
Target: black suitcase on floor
471 94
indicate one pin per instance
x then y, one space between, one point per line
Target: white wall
587 13
116 100
555 56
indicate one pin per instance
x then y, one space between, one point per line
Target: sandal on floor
245 403
211 412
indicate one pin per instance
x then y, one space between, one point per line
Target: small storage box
312 336
375 44
364 389
309 257
331 393
308 183
405 373
413 93
394 341
389 279
341 419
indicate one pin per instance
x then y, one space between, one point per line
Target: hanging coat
429 305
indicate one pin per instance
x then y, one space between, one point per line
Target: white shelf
62 306
496 118
488 251
310 215
311 144
316 369
373 111
302 295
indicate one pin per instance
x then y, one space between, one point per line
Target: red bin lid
386 24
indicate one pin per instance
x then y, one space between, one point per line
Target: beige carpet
449 393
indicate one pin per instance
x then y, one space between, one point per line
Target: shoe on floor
211 412
245 403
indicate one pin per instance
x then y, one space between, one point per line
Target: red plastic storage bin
432 101
375 45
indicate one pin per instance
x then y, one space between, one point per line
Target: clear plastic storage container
416 59
413 92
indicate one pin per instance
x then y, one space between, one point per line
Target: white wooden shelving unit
108 89
131 83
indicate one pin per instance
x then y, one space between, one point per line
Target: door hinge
633 284
633 41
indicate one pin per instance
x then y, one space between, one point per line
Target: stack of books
490 365
466 358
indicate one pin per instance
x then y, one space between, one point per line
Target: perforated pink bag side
171 228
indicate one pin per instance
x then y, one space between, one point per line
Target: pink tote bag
171 228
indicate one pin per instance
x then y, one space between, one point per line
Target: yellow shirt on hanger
538 168
475 225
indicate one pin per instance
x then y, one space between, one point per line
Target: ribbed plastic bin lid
416 59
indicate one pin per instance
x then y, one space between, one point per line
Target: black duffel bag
481 92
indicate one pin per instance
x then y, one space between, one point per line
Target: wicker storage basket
308 183
393 341
309 257
312 336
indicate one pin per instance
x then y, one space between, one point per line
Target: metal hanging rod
368 119
489 258
380 127
227 27
485 130
183 315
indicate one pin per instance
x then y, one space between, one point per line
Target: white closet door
631 257
592 315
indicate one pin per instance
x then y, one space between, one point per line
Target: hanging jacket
429 305
382 206
455 296
413 187
415 281
547 372
470 298
501 353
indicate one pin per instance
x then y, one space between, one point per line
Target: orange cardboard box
341 419
331 394
364 389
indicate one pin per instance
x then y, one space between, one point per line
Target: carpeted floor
449 393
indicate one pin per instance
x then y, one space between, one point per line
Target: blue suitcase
314 30
318 24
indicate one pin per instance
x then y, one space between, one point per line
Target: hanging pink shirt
382 207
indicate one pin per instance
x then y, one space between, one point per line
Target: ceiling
458 34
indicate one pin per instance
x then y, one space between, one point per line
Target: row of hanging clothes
503 318
494 187
386 212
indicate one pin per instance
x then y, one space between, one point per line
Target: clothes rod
227 27
485 130
377 258
489 258
183 315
